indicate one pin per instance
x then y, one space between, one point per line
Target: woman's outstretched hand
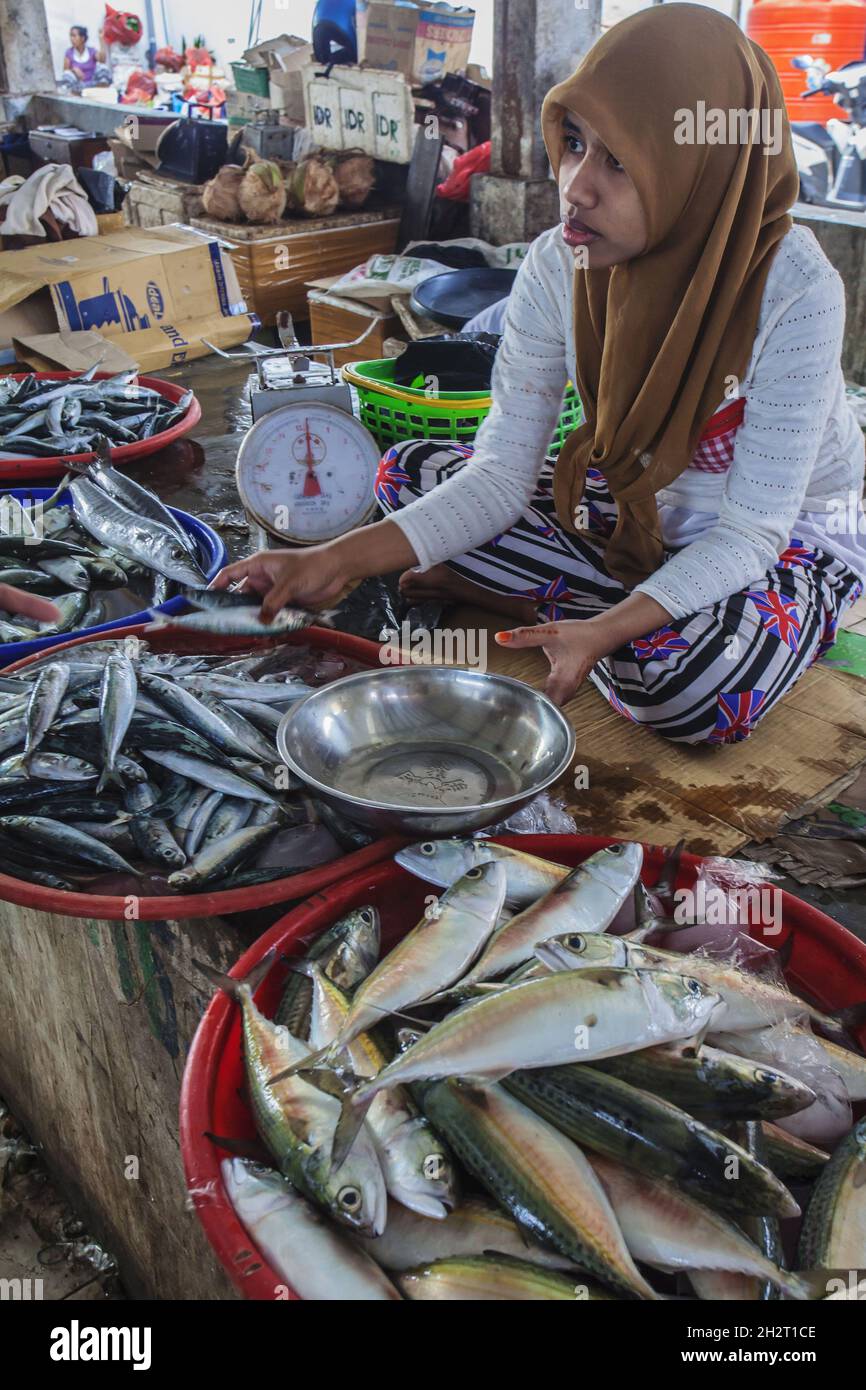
572 648
311 578
319 576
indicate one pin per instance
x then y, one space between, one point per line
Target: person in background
693 545
83 66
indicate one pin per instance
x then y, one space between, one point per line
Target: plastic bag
543 816
474 161
121 26
728 900
800 1055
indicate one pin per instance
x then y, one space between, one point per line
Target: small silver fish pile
125 771
518 1103
41 418
115 535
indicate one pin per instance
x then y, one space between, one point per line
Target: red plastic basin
180 907
18 470
826 961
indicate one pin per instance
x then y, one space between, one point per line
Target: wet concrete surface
197 473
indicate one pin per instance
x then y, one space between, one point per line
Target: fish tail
852 1019
237 987
83 466
308 1063
667 880
109 774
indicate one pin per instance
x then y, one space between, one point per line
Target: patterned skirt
706 678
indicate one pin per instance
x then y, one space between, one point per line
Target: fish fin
308 1063
667 880
84 467
242 1148
233 985
109 775
783 955
343 1085
840 1026
852 1017
349 1126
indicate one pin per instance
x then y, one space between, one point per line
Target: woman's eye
615 164
573 144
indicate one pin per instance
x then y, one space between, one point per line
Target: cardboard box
159 292
337 320
286 94
423 42
157 200
357 108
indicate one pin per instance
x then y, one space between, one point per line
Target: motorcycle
831 158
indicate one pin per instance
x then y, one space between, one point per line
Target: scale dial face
305 472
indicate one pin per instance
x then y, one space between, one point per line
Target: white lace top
784 459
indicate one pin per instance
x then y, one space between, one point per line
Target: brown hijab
657 336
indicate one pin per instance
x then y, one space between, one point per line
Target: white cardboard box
361 108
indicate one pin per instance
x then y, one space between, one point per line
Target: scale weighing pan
457 296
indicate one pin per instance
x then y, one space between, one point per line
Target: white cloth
54 187
798 456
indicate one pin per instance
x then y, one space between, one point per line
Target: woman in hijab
692 548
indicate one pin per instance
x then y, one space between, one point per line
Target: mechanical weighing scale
306 468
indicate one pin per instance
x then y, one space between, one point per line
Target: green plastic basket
393 414
250 79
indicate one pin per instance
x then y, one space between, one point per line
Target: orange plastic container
834 30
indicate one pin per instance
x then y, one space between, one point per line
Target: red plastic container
25 470
181 907
826 961
834 30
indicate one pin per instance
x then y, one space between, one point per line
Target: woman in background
82 65
693 546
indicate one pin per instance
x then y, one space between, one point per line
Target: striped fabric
705 678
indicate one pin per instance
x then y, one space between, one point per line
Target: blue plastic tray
212 556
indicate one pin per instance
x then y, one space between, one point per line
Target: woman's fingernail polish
503 636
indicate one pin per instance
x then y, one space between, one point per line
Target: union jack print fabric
708 678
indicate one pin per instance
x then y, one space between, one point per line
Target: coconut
313 190
220 195
262 193
355 173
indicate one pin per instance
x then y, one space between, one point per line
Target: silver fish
141 538
587 900
46 697
116 708
313 1257
444 861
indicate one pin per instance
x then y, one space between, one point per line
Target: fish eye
768 1076
575 942
616 849
349 1199
474 873
428 848
695 986
367 915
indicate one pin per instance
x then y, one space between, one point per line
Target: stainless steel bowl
427 750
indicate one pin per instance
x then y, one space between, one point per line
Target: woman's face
77 39
596 193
